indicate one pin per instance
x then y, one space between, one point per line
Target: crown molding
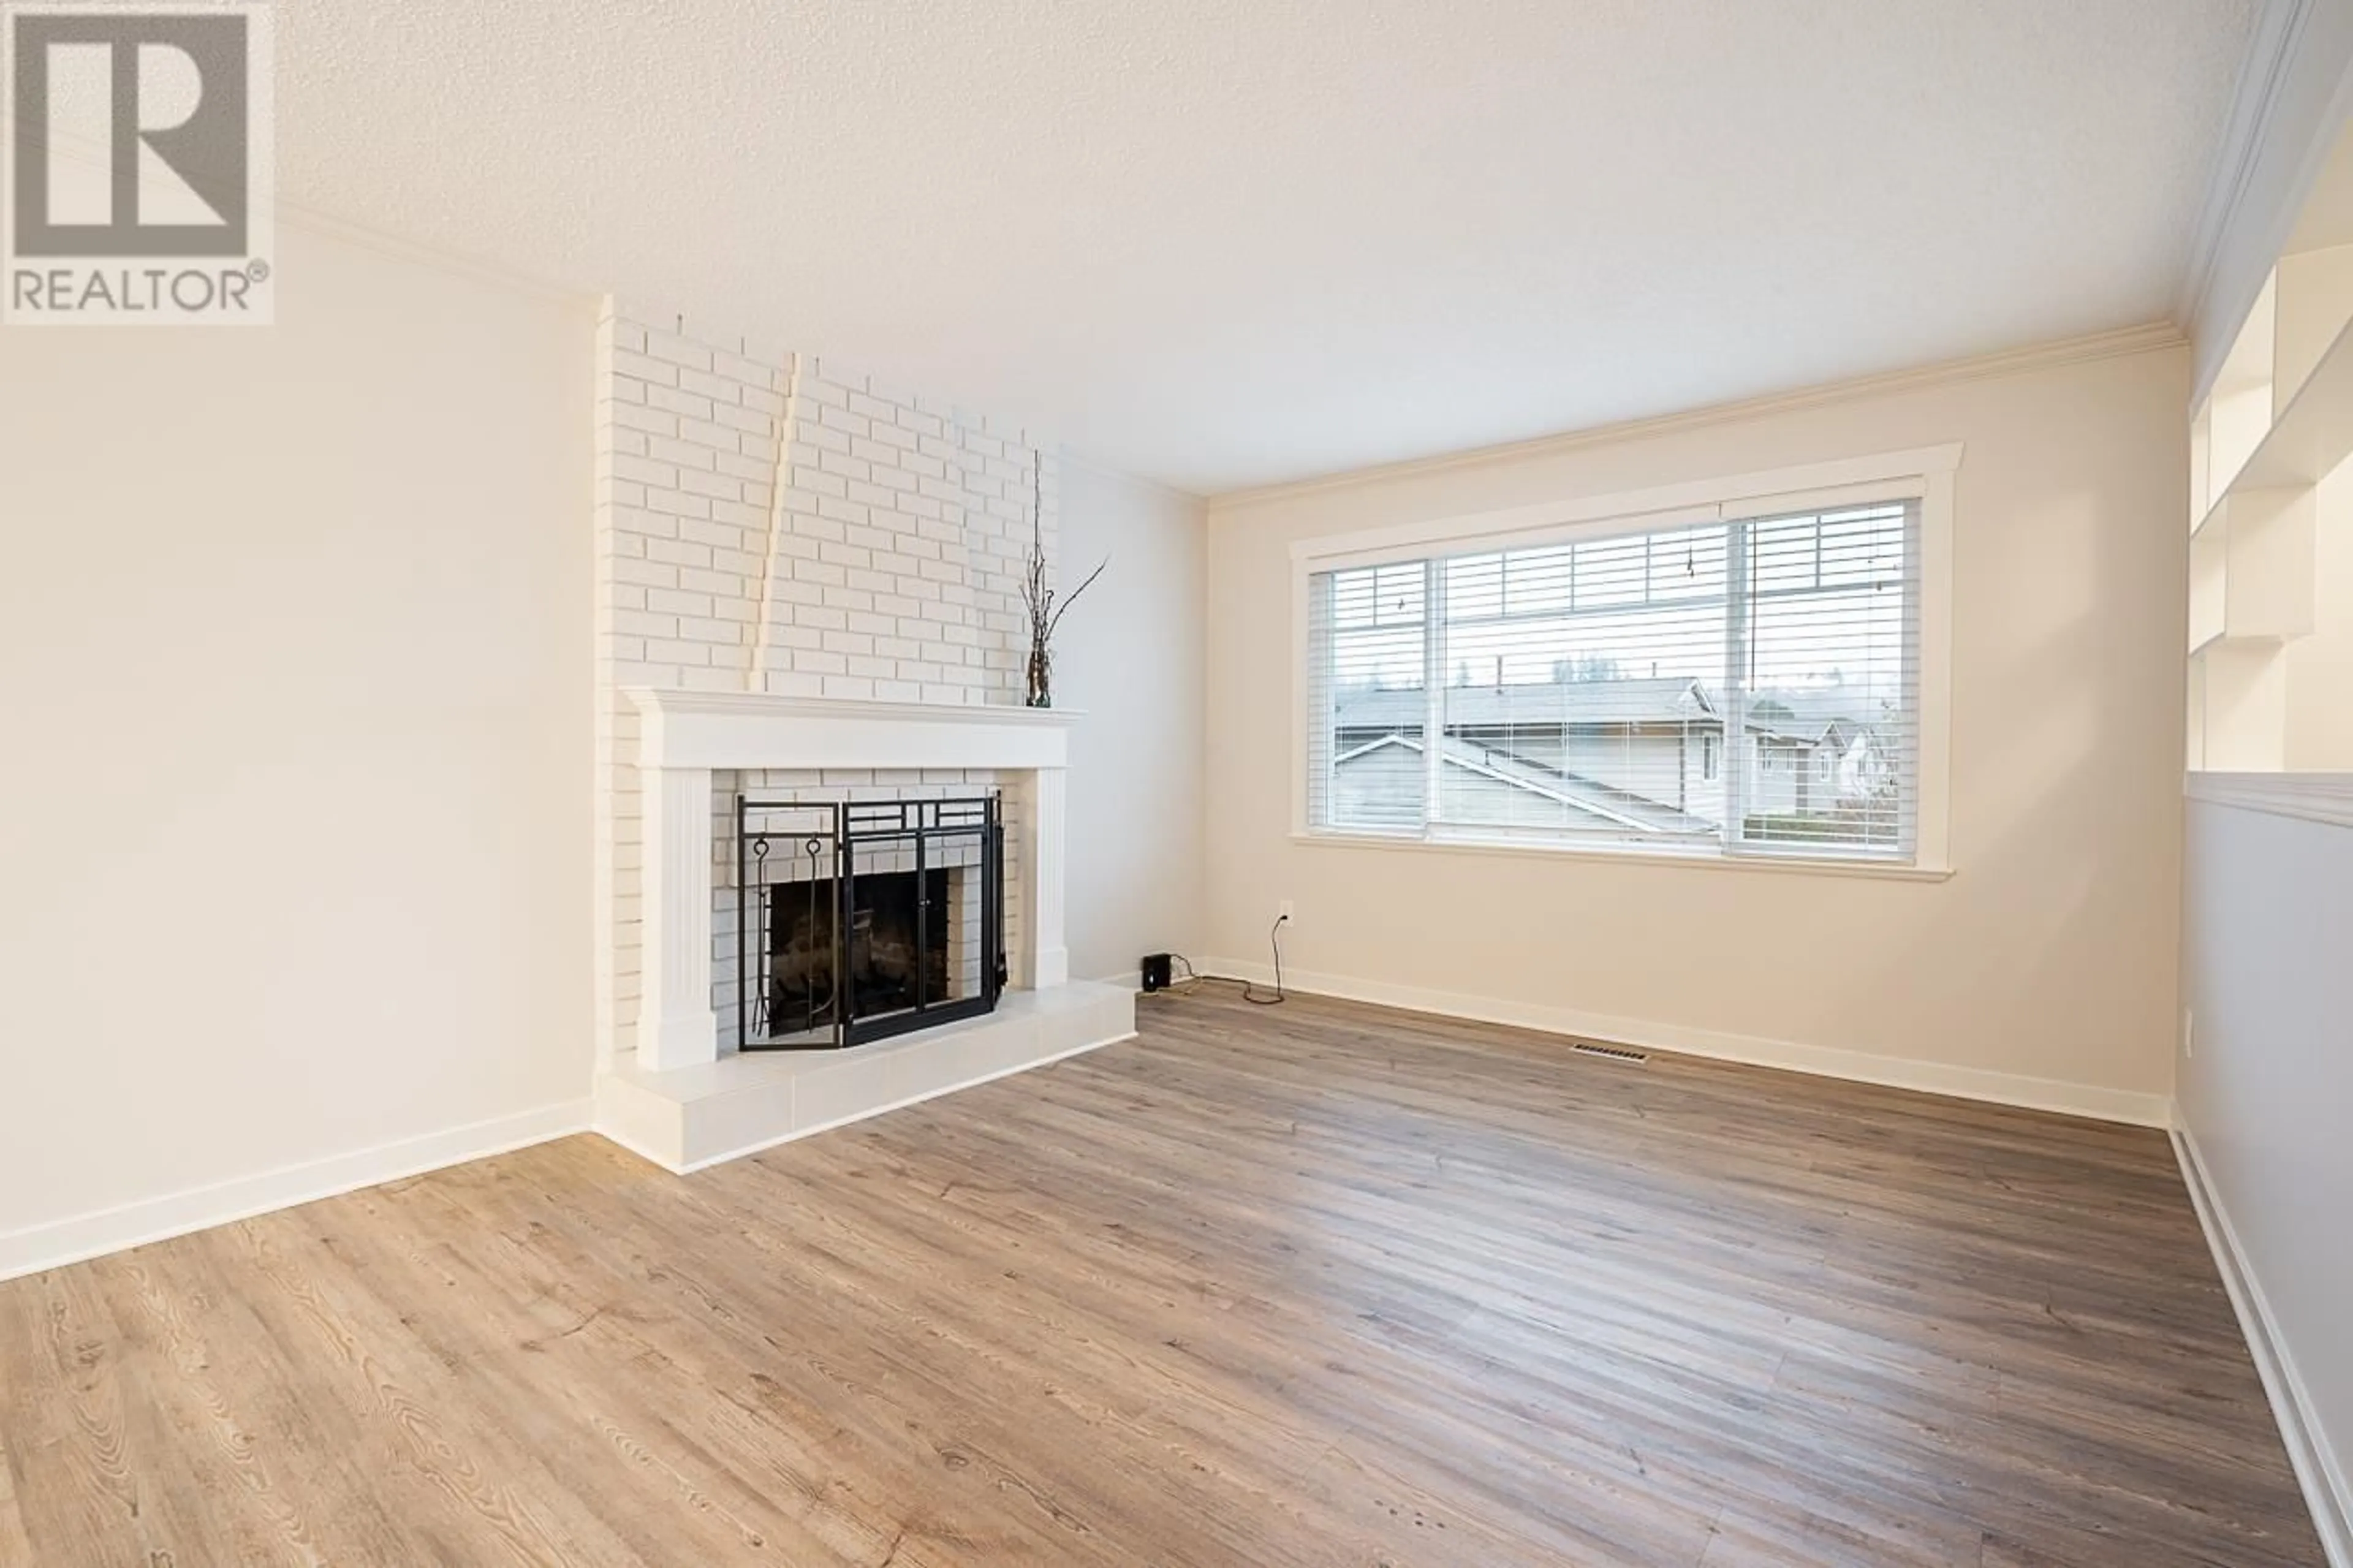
2254 104
2148 339
310 220
1078 459
285 214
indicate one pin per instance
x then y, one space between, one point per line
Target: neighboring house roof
1810 713
1662 700
1619 808
1815 715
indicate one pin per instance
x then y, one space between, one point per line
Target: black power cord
1190 983
1274 939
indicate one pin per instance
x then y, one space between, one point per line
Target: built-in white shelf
2244 692
2312 434
2238 412
2270 612
2209 585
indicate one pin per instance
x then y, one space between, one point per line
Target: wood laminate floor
1310 1285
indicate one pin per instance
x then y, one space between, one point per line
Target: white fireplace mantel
685 736
741 730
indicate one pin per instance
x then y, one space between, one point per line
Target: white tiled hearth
691 1117
683 1102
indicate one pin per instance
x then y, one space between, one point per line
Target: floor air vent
1614 1053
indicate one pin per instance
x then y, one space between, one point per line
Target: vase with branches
1045 606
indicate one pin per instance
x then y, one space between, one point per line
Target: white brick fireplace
803 579
685 738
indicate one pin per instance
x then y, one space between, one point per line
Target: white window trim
1926 474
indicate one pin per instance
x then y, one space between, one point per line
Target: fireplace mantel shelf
758 705
747 730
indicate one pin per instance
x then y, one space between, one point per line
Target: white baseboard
1823 1062
2326 1488
60 1242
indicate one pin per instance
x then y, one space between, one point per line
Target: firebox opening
896 960
858 920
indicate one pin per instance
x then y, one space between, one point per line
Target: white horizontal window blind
1369 633
1747 688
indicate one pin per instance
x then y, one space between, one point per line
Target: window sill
1810 866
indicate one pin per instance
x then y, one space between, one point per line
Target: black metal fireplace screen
855 922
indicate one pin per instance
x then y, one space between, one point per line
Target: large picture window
1747 687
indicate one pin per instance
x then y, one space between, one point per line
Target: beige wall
1131 655
2049 954
295 826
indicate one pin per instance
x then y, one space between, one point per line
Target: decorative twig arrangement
1046 607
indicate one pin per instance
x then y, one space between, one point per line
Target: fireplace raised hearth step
690 1117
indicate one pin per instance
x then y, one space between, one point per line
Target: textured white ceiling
1227 242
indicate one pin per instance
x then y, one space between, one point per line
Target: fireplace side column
676 1026
1046 958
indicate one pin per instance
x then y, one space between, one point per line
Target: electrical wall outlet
1283 909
